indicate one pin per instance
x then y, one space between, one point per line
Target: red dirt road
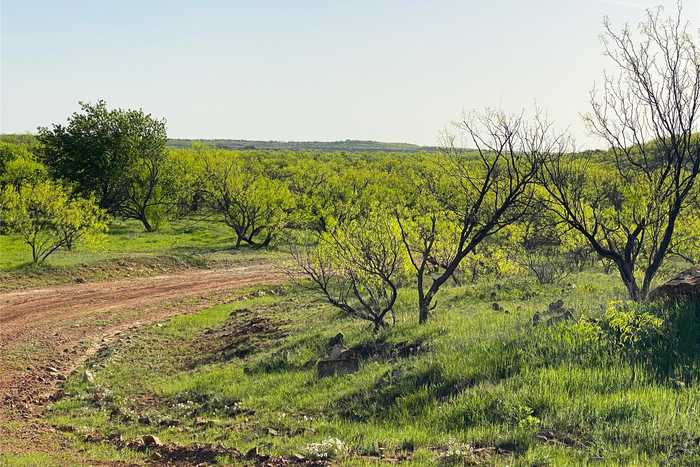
46 333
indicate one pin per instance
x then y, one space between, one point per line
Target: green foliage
357 266
484 388
27 141
114 155
634 332
18 166
661 338
48 219
10 152
23 170
254 205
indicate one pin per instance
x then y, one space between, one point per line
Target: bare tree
356 267
477 194
647 115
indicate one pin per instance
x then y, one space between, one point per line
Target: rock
338 366
337 352
116 438
555 313
89 377
556 307
346 354
565 316
52 370
92 438
151 441
684 285
168 422
272 432
199 421
336 340
536 318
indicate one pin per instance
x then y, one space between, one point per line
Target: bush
661 338
356 266
48 219
23 171
548 266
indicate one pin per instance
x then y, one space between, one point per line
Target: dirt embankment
46 333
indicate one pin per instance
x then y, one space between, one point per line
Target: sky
384 70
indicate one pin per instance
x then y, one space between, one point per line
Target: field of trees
496 293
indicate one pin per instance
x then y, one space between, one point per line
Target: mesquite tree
647 115
356 266
253 205
473 196
47 218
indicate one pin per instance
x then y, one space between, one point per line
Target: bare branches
477 194
356 267
647 115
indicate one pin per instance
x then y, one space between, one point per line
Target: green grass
127 251
486 387
127 238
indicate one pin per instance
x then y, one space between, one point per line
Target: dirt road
46 333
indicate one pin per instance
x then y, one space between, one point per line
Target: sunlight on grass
485 379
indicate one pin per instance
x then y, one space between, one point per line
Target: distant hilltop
349 145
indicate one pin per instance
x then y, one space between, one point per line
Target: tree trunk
627 276
423 312
423 301
146 225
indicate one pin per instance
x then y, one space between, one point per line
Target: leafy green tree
48 219
19 166
115 155
256 207
22 171
27 141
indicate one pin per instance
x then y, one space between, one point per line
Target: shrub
257 208
662 338
357 267
637 334
47 219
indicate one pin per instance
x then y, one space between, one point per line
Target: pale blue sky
306 70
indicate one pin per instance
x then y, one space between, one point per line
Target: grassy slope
486 388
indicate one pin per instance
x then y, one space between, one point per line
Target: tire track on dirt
46 333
